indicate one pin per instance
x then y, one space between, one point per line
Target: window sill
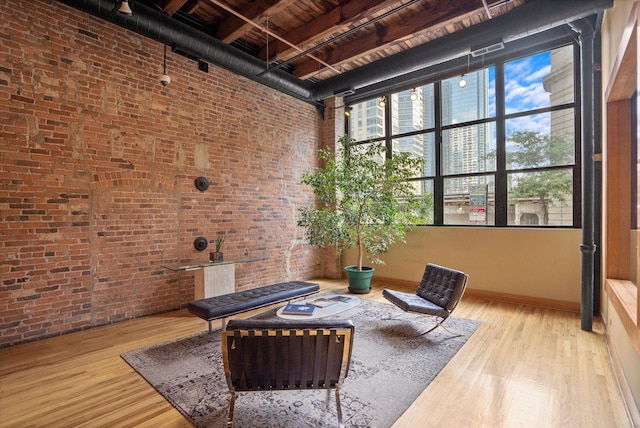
624 298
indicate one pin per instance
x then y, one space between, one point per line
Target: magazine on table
298 309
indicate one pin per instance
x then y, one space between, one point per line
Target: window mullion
438 182
388 127
577 168
501 151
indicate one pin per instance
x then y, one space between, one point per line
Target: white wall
624 351
539 263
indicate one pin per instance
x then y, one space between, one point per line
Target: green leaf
363 198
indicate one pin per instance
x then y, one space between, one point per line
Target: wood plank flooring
524 367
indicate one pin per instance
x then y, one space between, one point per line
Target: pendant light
165 79
463 82
125 8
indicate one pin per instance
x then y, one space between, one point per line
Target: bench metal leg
224 325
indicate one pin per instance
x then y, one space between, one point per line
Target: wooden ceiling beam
338 20
232 28
429 19
172 6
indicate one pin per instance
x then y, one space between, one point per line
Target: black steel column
597 176
585 29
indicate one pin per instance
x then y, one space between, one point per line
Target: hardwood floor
524 367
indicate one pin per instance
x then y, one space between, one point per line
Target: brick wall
97 170
332 126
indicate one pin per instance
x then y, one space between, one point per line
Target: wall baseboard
625 390
501 297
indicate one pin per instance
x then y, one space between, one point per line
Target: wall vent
487 49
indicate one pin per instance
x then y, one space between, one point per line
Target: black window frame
501 117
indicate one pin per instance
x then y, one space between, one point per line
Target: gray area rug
390 367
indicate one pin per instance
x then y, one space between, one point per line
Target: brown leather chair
438 294
263 355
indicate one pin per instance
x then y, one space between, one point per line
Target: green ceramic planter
359 281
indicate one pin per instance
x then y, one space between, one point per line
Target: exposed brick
25 298
22 99
98 171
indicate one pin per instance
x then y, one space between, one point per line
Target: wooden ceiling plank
233 27
430 19
172 6
339 19
264 29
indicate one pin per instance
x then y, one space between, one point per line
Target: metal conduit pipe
443 70
157 26
523 21
586 33
597 173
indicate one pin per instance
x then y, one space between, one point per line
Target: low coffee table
326 305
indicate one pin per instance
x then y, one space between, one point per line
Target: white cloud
523 83
520 98
537 123
540 74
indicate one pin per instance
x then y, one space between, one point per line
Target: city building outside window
493 156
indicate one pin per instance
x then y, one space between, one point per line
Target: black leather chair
438 294
263 355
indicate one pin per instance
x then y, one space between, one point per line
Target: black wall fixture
202 183
200 243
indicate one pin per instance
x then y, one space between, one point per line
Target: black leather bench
223 306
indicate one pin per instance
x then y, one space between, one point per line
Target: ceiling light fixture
382 101
165 79
124 8
347 109
414 94
463 82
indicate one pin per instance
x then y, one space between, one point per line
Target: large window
499 149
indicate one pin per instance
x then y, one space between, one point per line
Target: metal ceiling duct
158 26
531 18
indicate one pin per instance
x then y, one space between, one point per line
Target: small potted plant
217 256
364 199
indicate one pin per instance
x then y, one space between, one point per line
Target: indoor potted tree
364 200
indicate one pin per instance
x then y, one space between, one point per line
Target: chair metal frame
260 345
441 313
438 324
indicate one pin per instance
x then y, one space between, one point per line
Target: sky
524 91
